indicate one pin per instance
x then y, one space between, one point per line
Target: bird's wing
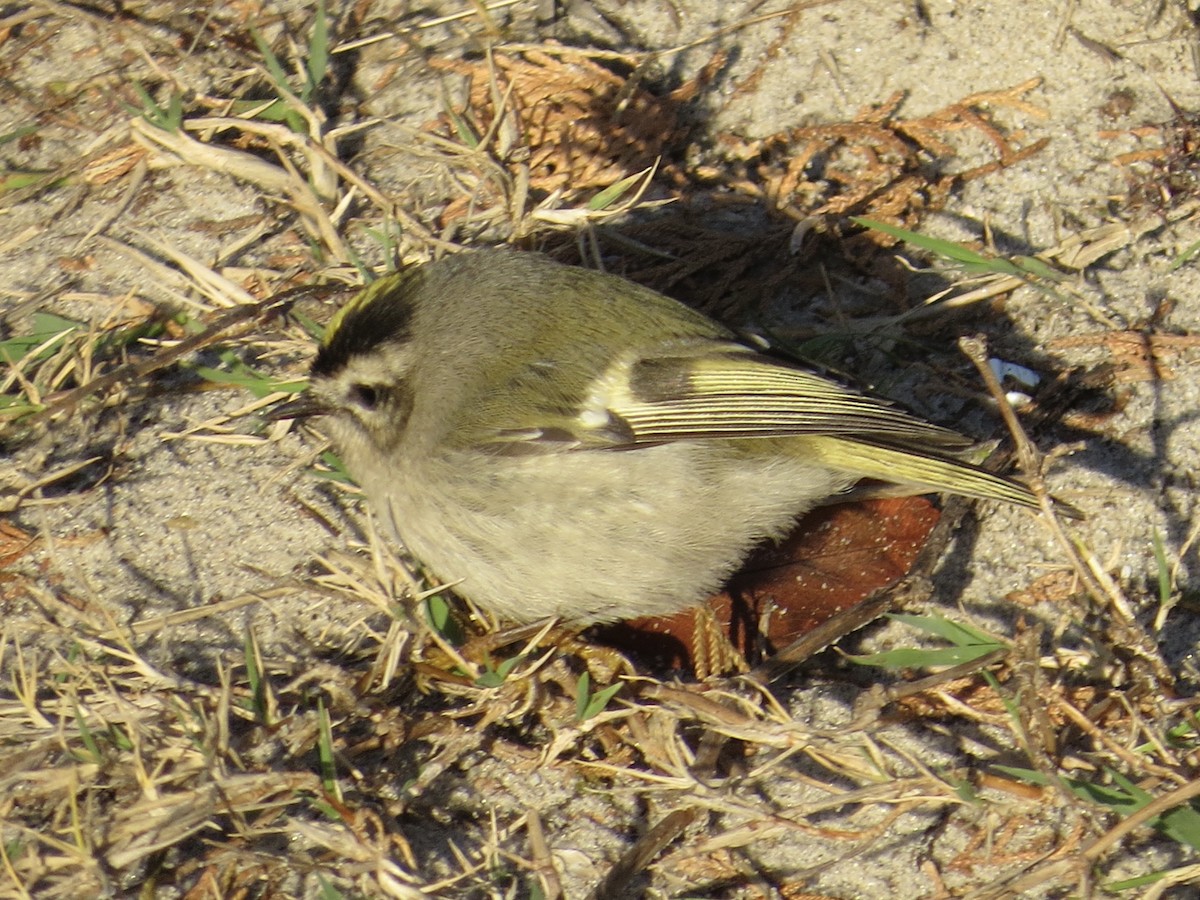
736 393
713 390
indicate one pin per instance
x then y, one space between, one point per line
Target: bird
560 442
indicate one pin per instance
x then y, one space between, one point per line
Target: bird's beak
304 406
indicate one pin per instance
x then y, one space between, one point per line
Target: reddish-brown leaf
836 557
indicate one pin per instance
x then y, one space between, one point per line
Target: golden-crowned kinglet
566 443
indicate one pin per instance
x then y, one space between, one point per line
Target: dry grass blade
287 719
132 372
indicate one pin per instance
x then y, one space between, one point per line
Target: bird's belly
592 536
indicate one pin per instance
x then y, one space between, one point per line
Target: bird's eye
365 396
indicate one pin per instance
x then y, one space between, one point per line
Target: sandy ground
224 520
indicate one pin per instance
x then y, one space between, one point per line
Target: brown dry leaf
1137 355
718 867
14 544
574 125
973 692
1054 587
1018 841
878 164
1172 179
114 164
836 557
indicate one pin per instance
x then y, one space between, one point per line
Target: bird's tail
913 467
